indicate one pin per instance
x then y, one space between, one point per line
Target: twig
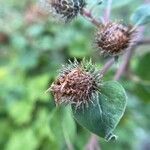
123 67
88 14
107 11
107 66
144 42
92 143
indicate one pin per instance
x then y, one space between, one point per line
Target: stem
88 14
107 66
108 11
92 143
123 67
144 42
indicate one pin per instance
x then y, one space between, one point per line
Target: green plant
32 49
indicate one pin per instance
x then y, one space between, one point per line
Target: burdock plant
96 105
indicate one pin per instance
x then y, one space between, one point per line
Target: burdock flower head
63 10
112 39
76 84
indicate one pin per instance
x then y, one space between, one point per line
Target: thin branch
144 42
107 11
107 66
88 14
123 67
92 143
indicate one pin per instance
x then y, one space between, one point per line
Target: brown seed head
113 39
63 10
75 86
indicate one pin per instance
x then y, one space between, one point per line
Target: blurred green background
32 49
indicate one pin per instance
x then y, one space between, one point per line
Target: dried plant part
76 84
63 10
113 39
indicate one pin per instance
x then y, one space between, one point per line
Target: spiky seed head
76 84
63 10
112 39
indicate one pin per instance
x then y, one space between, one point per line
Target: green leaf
142 15
103 117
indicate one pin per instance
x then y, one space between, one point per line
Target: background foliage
31 50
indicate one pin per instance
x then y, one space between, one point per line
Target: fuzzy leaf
103 117
141 15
